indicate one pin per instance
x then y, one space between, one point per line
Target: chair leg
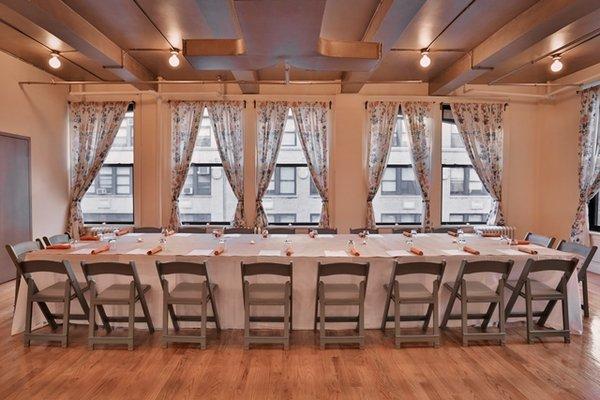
361 316
449 307
66 314
436 312
213 305
316 309
146 312
565 312
322 316
165 321
488 316
103 318
131 315
397 322
173 317
386 307
586 302
529 310
286 318
464 314
427 317
501 317
246 318
17 287
92 316
204 318
28 316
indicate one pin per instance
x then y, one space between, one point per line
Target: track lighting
174 59
556 65
425 61
54 61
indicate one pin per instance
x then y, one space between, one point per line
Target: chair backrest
146 229
56 239
17 251
489 266
566 266
244 231
444 229
343 268
586 252
410 268
325 231
108 268
192 229
359 230
281 230
30 267
181 267
265 268
407 229
540 240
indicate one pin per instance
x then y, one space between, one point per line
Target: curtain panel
589 161
94 126
381 119
481 127
186 117
311 121
226 120
417 119
271 118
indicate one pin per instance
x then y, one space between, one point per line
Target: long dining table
380 250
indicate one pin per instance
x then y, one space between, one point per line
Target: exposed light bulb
54 61
425 61
174 59
556 65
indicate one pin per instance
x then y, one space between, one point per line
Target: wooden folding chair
17 254
280 230
146 229
189 293
192 229
325 231
540 240
341 294
244 231
56 239
355 231
116 294
587 253
414 293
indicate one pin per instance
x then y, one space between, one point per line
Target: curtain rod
254 104
457 99
207 82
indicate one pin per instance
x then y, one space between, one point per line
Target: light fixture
54 61
174 59
556 65
425 61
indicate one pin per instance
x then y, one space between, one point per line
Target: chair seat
413 291
118 292
266 291
57 290
541 289
479 289
188 291
341 291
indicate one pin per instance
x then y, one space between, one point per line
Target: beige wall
40 113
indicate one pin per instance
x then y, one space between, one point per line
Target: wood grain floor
545 370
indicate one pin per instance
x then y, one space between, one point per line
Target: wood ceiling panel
157 62
341 22
405 66
277 72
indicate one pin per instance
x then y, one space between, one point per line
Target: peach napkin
354 252
154 250
490 234
452 233
527 250
89 237
122 231
407 234
101 249
416 250
218 251
471 250
59 246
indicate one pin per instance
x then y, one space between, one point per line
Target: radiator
502 230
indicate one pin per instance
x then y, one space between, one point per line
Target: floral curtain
185 122
226 119
589 161
271 118
382 121
94 126
418 127
481 128
311 121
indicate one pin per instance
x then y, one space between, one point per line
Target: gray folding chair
414 293
189 293
325 231
56 239
587 253
280 230
244 231
60 292
192 229
477 292
539 240
267 294
341 294
533 290
355 231
146 229
17 253
116 294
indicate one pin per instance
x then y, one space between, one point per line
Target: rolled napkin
100 249
312 234
219 250
289 251
59 246
154 250
416 250
407 234
471 250
122 231
519 242
453 233
89 238
490 234
527 250
354 251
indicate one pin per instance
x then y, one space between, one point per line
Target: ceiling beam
534 24
63 22
387 24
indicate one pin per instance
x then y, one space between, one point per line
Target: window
315 218
291 196
399 197
206 195
109 198
464 199
594 214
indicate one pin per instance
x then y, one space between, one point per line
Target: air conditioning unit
188 190
101 191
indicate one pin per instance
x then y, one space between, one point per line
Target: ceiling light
54 61
174 59
556 65
425 61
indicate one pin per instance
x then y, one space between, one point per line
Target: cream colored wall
39 113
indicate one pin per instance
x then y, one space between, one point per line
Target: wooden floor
538 371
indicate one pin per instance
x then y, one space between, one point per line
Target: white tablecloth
224 270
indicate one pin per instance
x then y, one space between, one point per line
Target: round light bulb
54 61
425 60
174 59
556 65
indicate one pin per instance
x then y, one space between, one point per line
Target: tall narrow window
206 195
464 199
398 200
291 197
110 196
